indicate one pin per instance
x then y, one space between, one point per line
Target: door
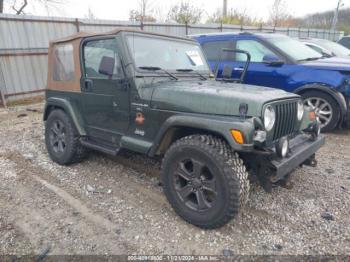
260 73
105 99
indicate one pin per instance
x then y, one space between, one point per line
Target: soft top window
63 62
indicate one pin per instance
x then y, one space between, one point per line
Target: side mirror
107 66
272 60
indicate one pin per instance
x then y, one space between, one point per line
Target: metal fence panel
23 74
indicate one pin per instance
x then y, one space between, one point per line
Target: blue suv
279 61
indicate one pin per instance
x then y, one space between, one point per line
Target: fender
70 109
213 124
338 97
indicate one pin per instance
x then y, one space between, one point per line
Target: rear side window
256 50
95 51
213 50
63 63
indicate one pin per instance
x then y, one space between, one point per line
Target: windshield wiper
191 70
155 68
310 59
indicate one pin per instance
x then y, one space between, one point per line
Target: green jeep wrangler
155 95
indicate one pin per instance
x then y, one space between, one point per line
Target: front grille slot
286 115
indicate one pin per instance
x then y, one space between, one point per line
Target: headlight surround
269 118
300 110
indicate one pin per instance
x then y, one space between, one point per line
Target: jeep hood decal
214 97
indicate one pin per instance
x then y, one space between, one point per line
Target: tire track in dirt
40 223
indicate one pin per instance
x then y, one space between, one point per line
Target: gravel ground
115 205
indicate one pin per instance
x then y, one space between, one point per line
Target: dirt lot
115 205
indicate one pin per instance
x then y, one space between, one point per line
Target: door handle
88 84
238 69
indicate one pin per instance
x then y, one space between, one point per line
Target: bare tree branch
20 10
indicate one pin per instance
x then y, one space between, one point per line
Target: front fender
214 124
69 108
336 95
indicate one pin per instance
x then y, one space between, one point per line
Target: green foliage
234 17
185 13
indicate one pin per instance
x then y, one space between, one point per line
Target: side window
256 50
213 50
63 63
101 56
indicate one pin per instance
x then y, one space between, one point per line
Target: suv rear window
213 50
63 62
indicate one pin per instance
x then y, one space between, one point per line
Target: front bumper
302 148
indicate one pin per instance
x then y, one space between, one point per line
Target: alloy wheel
57 137
195 184
323 109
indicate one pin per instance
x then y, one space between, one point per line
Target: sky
119 9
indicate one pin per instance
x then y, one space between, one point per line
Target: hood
332 63
214 97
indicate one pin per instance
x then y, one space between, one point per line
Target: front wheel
326 108
204 180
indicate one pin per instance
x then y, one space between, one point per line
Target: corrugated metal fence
24 42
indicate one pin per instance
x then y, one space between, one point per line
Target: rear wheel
62 140
204 180
326 108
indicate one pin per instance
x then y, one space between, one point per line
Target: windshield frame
270 39
168 38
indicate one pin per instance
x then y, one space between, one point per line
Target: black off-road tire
74 152
333 103
233 183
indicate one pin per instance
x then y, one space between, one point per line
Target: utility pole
336 14
224 9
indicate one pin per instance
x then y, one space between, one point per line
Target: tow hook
310 162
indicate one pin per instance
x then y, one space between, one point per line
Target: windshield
166 54
295 49
335 48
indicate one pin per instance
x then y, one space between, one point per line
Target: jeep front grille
286 116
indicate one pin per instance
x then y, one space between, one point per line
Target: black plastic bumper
302 148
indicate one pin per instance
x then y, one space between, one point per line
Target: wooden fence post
3 99
77 26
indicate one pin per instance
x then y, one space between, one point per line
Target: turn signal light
237 136
312 116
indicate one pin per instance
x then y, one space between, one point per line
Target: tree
185 13
144 12
279 14
19 6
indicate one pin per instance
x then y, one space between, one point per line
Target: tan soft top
81 35
70 81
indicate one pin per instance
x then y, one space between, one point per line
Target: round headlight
269 118
300 110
